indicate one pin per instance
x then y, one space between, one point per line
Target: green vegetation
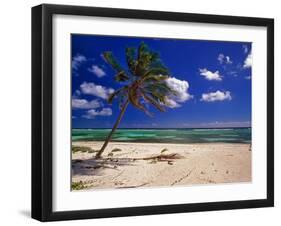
164 150
110 154
116 150
81 149
77 185
92 151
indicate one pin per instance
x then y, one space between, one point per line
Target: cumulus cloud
227 60
98 71
224 59
171 103
85 104
248 61
90 114
78 60
220 58
233 73
245 48
216 96
180 87
96 90
210 75
76 94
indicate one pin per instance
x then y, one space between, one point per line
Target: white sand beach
134 165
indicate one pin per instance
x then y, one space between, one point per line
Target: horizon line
229 127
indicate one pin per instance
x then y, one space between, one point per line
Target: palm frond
154 101
156 78
110 59
161 87
122 100
156 95
148 62
156 71
159 91
121 77
134 98
145 57
131 59
157 63
118 92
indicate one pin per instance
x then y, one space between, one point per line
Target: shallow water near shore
210 135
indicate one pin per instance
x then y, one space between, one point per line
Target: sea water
210 135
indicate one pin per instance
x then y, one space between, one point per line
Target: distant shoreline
160 142
150 143
247 127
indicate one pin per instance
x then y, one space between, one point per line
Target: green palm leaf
118 92
156 71
154 78
145 57
154 101
161 87
121 77
134 98
131 59
110 59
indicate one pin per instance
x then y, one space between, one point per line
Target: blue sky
213 78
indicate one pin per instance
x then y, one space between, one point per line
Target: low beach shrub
81 149
116 150
77 185
164 150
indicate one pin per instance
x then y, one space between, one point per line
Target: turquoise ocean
210 135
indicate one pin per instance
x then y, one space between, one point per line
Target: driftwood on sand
162 157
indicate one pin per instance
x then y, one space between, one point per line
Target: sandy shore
132 166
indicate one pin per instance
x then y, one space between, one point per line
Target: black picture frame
42 111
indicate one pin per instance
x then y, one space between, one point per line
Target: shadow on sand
96 166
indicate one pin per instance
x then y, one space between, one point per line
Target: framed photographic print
144 112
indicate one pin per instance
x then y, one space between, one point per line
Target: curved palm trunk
98 155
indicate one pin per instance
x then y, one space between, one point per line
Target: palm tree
143 82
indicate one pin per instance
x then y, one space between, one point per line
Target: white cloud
171 103
248 61
220 58
93 113
76 94
78 60
85 104
248 77
245 48
99 72
228 61
216 96
180 87
224 59
210 75
233 73
96 90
